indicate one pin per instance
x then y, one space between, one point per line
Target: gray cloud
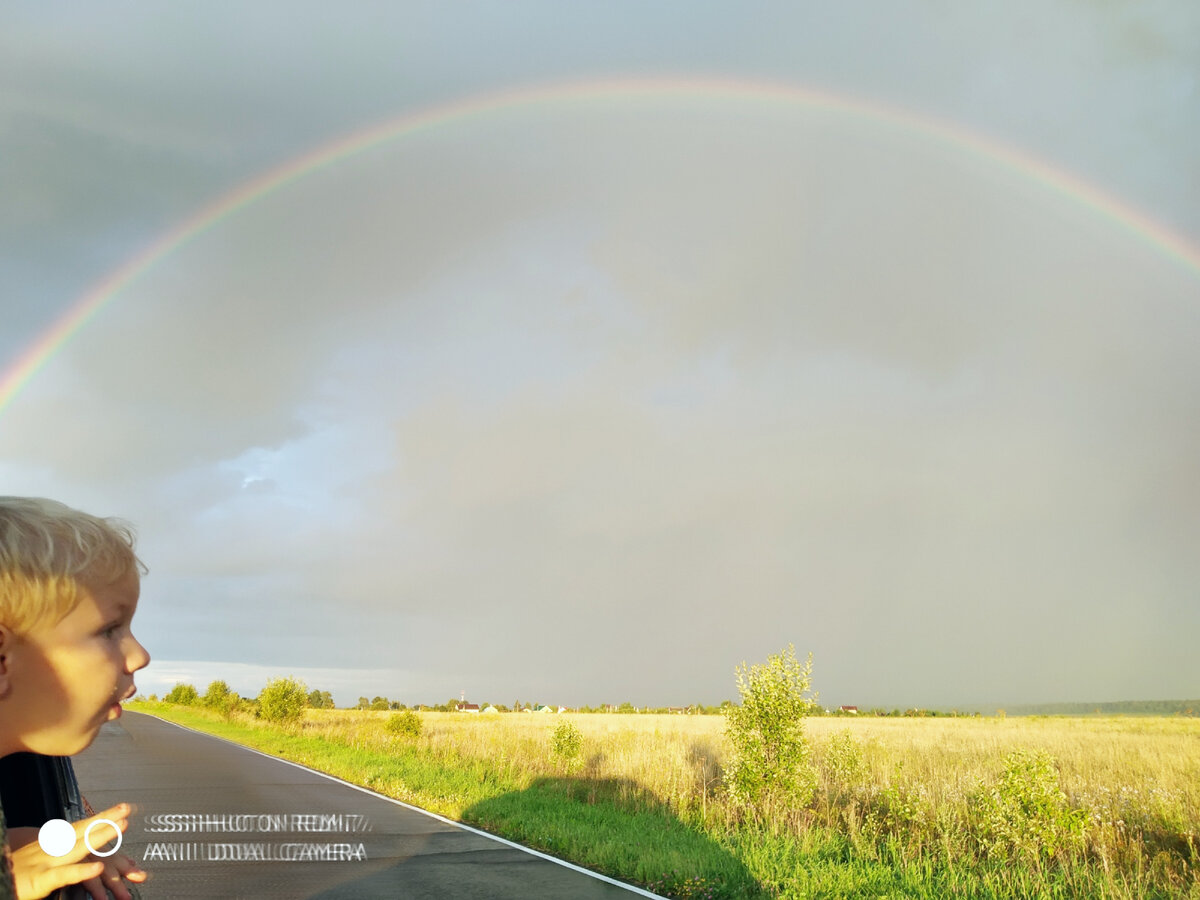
669 381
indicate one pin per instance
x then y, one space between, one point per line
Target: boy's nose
137 657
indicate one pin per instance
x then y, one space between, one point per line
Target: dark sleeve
22 790
36 788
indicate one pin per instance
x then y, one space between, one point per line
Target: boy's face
67 679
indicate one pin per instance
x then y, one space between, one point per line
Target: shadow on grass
615 827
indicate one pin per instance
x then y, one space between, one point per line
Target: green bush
566 742
406 724
844 766
182 694
283 700
771 769
1025 812
220 697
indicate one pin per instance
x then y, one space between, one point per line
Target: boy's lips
116 704
125 696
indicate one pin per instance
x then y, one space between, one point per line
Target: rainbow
1139 225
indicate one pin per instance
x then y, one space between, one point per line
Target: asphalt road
202 801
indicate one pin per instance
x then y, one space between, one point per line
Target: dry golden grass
1111 766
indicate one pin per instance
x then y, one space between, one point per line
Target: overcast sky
648 366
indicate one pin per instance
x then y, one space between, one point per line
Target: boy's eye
111 630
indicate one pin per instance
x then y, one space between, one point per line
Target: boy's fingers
117 887
120 811
95 888
129 869
98 838
61 876
103 833
110 880
99 835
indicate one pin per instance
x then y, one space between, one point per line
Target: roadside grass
593 820
967 807
615 828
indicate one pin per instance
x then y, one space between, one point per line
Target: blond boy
69 585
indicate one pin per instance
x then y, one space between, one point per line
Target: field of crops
920 807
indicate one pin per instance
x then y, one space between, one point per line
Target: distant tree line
221 698
912 712
282 700
1115 708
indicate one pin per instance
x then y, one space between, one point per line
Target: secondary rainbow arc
51 341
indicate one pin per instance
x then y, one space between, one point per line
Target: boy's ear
6 643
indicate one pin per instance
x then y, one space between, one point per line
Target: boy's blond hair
48 551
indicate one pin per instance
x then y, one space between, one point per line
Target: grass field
920 807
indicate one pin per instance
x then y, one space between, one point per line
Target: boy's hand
116 867
37 874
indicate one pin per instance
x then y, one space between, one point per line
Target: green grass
820 863
899 842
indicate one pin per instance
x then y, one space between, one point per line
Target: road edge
633 889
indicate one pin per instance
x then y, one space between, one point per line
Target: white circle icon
95 852
57 837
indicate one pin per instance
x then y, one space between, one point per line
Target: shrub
405 724
220 697
283 700
844 761
1025 812
566 742
182 694
770 766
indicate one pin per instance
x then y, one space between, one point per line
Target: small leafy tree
566 743
183 694
283 700
379 704
220 697
320 699
771 768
